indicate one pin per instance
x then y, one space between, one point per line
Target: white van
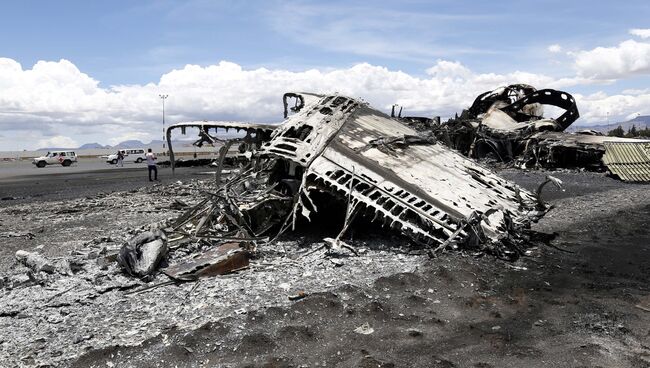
63 158
130 155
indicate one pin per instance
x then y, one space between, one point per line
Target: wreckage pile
335 149
507 125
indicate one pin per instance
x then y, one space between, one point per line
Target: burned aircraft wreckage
336 149
412 175
507 125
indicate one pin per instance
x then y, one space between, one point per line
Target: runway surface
22 181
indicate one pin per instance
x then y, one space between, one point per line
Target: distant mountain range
134 143
641 121
93 146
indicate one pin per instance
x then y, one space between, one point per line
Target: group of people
151 162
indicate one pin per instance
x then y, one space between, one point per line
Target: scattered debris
298 296
644 308
549 179
364 329
14 234
59 319
177 204
141 255
539 322
226 258
35 261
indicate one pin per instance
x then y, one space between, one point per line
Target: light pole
163 98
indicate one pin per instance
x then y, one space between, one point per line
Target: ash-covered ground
581 300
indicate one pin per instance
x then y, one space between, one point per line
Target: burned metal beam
255 133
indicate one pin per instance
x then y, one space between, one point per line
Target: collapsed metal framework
209 134
397 172
523 104
337 149
507 124
422 189
342 147
499 122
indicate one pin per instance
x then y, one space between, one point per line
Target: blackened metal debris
141 255
209 133
507 125
341 149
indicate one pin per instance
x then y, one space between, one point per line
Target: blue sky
126 42
137 43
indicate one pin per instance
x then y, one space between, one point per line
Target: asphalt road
26 168
22 181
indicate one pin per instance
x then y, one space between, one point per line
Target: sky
75 72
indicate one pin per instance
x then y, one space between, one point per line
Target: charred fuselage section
507 125
499 122
375 167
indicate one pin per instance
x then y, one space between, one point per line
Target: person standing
120 158
151 164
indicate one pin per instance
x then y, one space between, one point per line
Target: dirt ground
583 300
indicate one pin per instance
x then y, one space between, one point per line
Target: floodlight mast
163 98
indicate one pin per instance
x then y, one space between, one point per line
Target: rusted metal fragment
630 161
224 259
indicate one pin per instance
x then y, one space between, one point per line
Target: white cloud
58 141
555 48
56 96
635 91
596 107
56 104
641 32
628 58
